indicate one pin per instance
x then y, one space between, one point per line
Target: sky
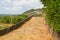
18 6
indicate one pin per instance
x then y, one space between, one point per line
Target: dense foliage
12 19
53 13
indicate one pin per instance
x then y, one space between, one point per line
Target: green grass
4 26
7 21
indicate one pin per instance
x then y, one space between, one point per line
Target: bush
12 19
53 13
4 19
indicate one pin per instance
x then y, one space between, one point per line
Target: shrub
53 13
12 19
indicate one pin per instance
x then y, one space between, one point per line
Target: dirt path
34 29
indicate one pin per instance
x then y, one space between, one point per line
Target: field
3 26
8 21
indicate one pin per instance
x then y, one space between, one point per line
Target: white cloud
12 9
39 6
16 5
6 1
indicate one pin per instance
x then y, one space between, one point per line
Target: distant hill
29 12
8 14
33 11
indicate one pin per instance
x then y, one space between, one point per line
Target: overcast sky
18 6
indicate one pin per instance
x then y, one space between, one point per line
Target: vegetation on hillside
7 21
35 12
13 19
53 13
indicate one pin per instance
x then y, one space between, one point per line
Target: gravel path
34 29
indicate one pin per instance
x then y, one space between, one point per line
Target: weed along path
34 29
